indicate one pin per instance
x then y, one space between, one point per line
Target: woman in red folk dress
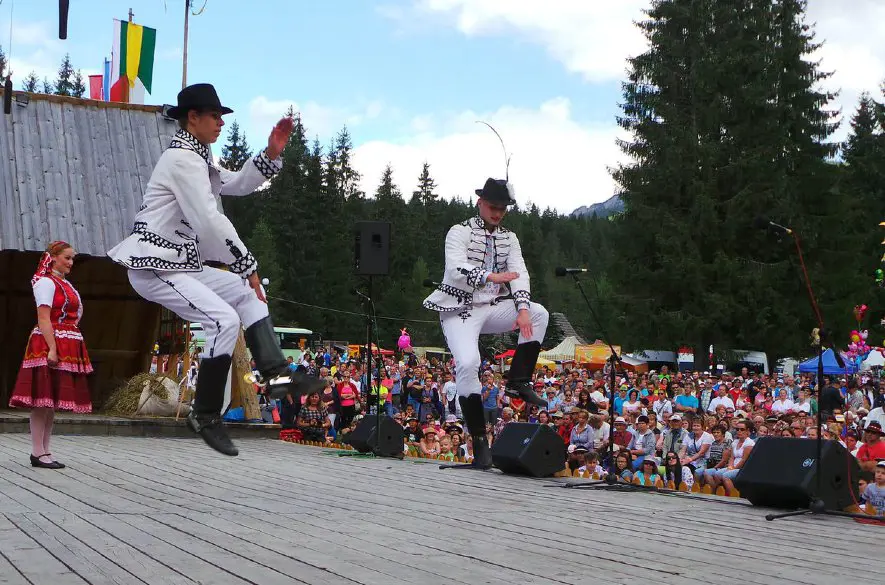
53 373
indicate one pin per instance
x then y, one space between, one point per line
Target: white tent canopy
873 360
562 352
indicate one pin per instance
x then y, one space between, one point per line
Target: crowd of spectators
681 427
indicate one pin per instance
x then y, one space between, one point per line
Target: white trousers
217 299
463 328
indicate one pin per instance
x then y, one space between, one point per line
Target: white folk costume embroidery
180 224
472 253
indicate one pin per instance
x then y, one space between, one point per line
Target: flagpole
187 9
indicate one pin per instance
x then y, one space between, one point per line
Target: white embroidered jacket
180 224
464 281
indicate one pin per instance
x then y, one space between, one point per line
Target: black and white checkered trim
191 260
186 140
245 265
475 277
522 299
265 166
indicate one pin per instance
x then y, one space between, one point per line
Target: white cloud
595 37
556 161
322 121
590 37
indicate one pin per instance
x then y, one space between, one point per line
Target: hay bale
145 394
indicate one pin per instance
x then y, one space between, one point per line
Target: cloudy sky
411 77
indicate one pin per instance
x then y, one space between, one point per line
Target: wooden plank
9 574
10 218
404 521
205 561
91 565
119 552
37 564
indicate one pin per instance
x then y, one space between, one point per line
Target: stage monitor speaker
371 255
528 449
780 473
364 438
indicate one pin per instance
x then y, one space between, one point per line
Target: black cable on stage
349 312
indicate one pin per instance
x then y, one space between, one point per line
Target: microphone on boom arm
560 271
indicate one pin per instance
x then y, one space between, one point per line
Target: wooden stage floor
133 510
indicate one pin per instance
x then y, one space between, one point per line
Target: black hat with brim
199 96
496 191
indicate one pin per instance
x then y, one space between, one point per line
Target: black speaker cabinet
528 449
364 438
371 256
780 473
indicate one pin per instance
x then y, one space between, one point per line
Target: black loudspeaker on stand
822 481
374 435
371 255
528 449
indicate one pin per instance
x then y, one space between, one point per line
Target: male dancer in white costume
483 262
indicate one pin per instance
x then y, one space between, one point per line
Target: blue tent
831 367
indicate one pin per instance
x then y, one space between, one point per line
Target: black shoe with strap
264 344
205 418
35 462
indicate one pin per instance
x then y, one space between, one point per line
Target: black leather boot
205 417
264 344
471 408
519 377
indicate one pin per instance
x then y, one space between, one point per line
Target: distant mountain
608 207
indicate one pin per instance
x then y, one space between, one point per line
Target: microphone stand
611 480
371 322
816 505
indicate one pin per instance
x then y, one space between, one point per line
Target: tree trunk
242 393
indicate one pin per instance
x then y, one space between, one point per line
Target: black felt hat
496 191
199 96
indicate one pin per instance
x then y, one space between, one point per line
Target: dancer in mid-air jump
179 228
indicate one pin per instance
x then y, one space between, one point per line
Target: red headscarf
44 267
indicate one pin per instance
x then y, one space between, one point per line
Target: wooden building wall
119 327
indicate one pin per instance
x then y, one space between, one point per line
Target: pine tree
78 85
47 86
64 85
426 186
341 178
863 185
3 64
30 83
236 152
726 122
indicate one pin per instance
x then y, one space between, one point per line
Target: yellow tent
594 354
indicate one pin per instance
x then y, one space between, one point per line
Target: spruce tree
30 83
726 123
426 185
78 85
47 86
64 84
863 185
236 152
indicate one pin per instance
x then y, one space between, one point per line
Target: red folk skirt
63 386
